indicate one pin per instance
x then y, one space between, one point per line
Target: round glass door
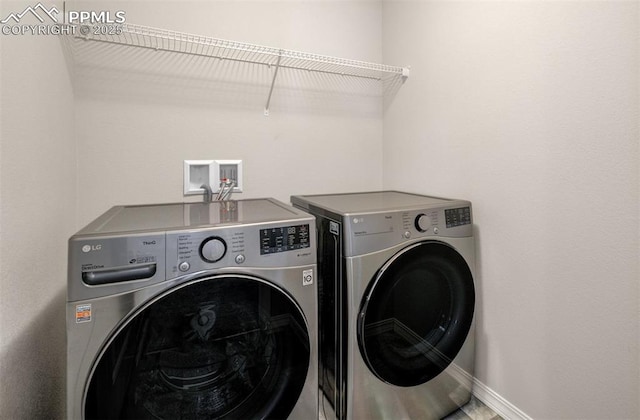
416 314
221 347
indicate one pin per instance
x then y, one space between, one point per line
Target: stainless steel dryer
201 310
397 297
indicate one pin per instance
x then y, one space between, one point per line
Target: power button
184 266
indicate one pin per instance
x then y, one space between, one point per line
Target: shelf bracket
405 73
273 82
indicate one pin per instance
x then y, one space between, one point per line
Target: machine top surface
158 217
378 201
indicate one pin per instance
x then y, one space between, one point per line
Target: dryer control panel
369 232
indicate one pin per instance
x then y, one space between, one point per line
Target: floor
474 410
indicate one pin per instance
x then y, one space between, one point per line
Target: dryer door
218 347
416 314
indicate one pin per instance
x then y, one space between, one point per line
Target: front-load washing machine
193 310
397 296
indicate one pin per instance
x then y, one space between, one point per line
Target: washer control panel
274 245
132 247
284 238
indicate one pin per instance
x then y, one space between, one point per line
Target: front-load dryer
193 310
397 297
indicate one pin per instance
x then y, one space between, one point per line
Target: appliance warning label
83 313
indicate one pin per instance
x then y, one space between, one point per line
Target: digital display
285 238
458 217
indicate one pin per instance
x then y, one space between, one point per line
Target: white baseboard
497 403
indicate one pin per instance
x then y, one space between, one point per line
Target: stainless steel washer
397 297
193 310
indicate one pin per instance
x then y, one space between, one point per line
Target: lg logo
89 248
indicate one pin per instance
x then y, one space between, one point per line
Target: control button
184 266
435 230
213 249
240 258
422 222
407 235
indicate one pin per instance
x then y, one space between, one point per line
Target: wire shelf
179 42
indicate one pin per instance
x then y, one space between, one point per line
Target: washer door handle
117 275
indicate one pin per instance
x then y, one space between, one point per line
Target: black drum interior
220 347
416 314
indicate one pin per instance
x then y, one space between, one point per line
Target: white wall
140 114
37 215
530 110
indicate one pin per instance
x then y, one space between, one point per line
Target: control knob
422 222
213 249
